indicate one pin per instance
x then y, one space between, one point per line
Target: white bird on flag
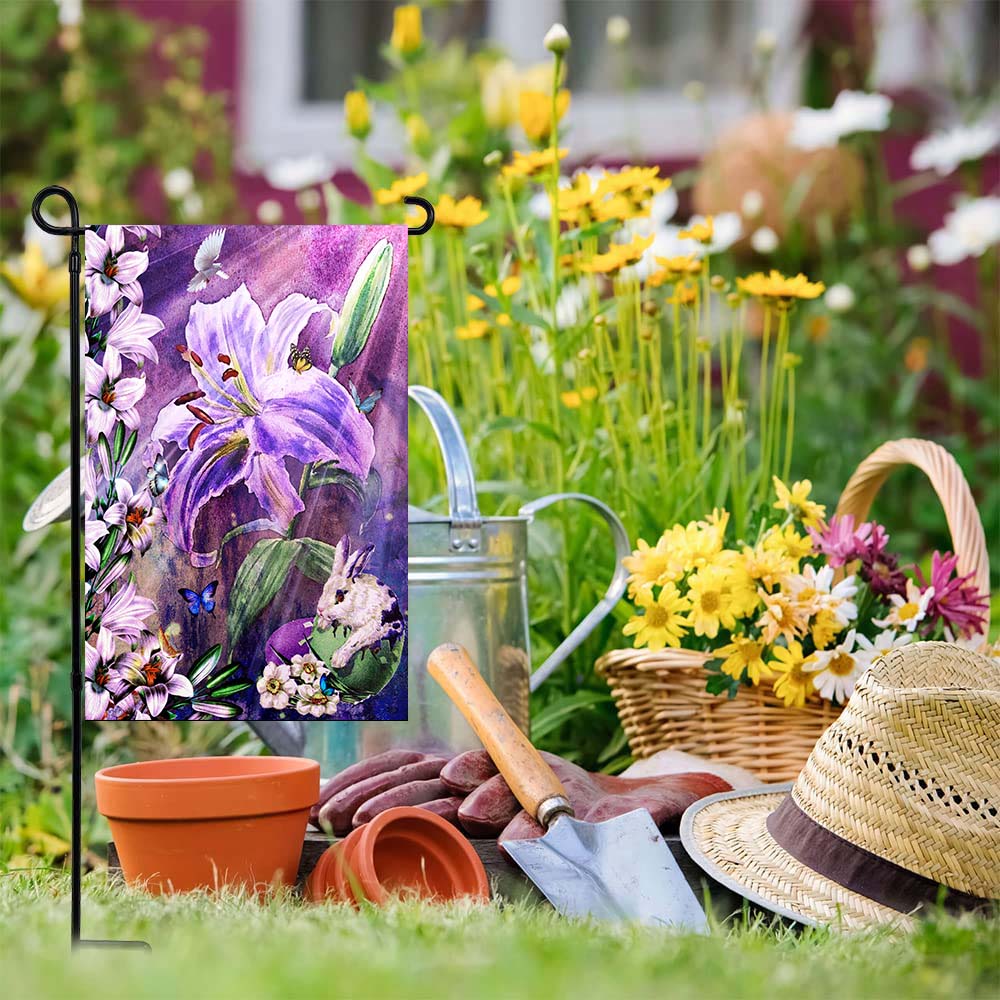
206 261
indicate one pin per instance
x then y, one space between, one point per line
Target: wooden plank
507 880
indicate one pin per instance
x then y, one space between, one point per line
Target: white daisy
836 670
969 231
870 650
311 700
909 611
816 588
306 667
275 686
944 151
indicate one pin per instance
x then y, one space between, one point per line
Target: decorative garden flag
245 472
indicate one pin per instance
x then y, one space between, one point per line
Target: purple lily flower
109 397
103 680
135 512
126 611
150 673
111 271
251 411
139 232
130 335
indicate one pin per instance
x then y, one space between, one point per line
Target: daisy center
710 601
907 611
656 617
750 651
841 664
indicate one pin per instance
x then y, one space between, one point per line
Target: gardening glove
393 778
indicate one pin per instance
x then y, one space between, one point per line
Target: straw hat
897 806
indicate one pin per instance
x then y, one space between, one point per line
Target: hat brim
727 836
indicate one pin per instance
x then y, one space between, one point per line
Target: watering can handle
463 509
616 588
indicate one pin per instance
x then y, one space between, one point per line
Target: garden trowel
619 869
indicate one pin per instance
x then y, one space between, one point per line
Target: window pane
343 39
672 42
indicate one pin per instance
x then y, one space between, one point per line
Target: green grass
233 946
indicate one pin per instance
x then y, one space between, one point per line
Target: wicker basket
661 697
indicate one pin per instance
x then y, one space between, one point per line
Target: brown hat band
857 869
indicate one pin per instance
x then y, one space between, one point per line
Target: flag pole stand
74 231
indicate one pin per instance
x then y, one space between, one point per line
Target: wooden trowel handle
532 781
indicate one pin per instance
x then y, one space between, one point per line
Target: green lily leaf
260 577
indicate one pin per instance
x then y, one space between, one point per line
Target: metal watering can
467 584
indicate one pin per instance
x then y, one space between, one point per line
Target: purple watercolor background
273 262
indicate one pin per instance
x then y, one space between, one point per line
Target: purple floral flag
245 472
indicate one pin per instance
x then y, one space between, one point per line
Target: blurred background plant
552 341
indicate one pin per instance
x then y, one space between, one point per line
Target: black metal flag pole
74 230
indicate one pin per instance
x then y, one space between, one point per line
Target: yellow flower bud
417 129
407 29
357 113
536 113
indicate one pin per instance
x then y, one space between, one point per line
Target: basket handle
949 482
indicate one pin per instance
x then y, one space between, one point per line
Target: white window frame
276 122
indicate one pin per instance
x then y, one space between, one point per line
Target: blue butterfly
367 404
205 601
158 477
326 685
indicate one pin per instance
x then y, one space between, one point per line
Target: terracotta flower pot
754 154
403 850
205 822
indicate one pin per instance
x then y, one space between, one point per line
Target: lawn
232 946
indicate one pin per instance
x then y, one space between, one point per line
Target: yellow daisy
647 565
460 214
576 203
826 626
797 503
700 231
685 294
663 623
712 604
674 268
793 684
788 542
775 286
744 653
475 329
400 189
574 399
783 616
619 255
766 566
529 164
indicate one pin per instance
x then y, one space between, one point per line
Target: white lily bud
752 204
839 298
764 240
618 29
557 39
918 257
